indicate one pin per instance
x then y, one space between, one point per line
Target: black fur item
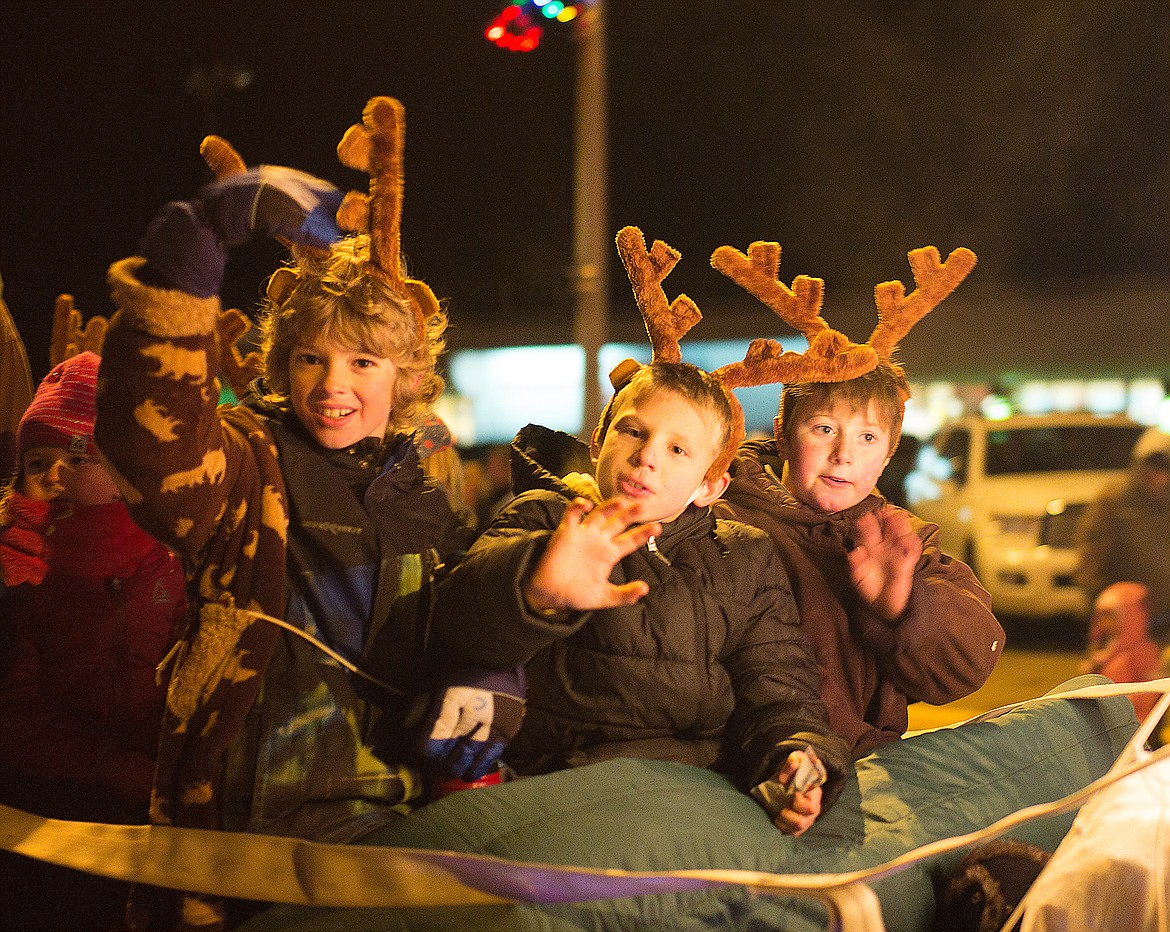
988 885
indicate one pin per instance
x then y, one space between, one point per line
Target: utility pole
592 242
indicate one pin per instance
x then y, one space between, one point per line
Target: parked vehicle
1007 496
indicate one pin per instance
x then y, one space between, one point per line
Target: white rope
289 870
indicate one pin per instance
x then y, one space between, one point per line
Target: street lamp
517 29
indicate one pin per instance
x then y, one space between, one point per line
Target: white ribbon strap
289 870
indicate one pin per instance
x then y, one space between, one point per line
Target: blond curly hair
341 296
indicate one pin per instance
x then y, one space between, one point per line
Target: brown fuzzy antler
69 337
666 321
376 146
758 274
934 280
239 370
831 356
221 157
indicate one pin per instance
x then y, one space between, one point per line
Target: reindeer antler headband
375 146
831 356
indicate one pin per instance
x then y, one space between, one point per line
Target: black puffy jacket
711 668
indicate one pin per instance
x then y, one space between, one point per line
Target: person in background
494 486
1124 534
1119 641
442 463
92 604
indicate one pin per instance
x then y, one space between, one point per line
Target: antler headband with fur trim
376 146
831 356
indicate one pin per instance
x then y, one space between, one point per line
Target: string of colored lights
518 27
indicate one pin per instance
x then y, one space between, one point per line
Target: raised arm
157 394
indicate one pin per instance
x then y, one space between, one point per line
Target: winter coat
80 704
1124 536
944 646
263 731
710 668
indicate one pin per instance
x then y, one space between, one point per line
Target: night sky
849 132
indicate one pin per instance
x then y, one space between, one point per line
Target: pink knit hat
63 409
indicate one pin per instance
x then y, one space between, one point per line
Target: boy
892 619
647 627
309 532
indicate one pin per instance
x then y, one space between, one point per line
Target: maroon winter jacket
944 646
80 702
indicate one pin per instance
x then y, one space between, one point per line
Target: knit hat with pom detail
63 409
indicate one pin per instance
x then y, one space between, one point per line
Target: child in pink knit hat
90 605
57 458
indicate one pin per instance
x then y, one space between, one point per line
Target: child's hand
282 202
185 244
803 807
574 572
473 718
882 564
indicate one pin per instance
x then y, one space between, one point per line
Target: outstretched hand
573 573
882 564
281 202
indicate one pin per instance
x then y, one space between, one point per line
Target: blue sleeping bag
644 815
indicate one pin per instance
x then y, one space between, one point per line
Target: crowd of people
295 615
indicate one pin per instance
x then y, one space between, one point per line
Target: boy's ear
712 489
595 444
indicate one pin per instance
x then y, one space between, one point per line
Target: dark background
1036 134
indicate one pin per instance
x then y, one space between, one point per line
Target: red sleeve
22 543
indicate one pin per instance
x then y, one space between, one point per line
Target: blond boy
648 628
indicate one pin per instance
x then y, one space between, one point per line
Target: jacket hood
544 459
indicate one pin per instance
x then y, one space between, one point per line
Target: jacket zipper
652 546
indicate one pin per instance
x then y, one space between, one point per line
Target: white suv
1007 496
